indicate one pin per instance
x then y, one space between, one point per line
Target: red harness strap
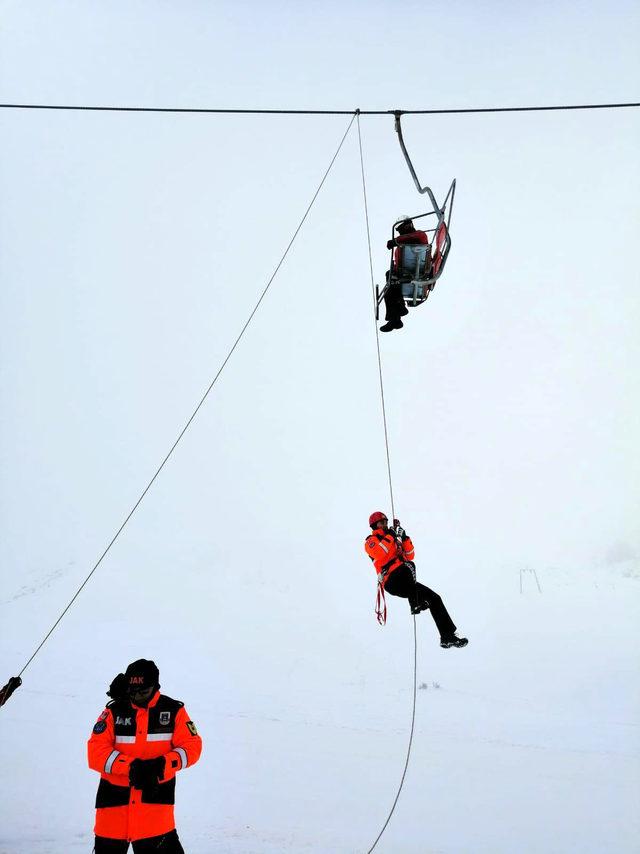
381 605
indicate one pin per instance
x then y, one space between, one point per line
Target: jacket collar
154 699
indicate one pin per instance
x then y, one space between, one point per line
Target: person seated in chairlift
408 235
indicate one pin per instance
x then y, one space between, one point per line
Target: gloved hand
118 688
400 532
391 244
146 773
7 690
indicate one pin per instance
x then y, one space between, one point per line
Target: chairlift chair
421 265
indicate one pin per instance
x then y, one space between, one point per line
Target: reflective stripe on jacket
386 553
125 732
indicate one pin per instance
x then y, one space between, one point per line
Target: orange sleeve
101 750
186 745
379 552
407 549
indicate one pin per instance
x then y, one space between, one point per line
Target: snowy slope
524 741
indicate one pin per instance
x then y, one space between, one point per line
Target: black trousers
168 843
402 583
394 301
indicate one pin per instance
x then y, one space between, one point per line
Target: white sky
134 246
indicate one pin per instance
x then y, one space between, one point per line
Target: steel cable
284 112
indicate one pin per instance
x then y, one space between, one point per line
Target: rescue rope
413 722
375 325
196 410
381 612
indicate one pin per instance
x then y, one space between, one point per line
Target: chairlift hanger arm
421 190
440 211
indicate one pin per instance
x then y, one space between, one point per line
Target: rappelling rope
386 439
375 325
413 722
197 409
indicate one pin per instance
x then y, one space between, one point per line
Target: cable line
393 512
283 112
197 408
272 112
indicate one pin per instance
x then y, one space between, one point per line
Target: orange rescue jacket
125 732
386 553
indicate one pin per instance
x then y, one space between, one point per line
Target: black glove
146 773
118 688
7 690
391 244
400 532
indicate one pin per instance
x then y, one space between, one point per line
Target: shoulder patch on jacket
371 541
192 728
99 727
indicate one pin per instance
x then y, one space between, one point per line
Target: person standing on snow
391 551
138 744
393 299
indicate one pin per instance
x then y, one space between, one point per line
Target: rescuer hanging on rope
139 743
400 271
391 551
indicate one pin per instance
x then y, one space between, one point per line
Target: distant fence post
531 572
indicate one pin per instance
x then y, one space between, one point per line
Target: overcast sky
135 245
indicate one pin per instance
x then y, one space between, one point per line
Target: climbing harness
381 605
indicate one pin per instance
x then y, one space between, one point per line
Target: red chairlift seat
420 265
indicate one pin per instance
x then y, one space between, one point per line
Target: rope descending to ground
393 512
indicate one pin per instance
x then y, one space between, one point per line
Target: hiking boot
418 607
391 325
453 640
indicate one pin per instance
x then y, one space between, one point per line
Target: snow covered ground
528 740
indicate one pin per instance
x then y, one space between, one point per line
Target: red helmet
376 517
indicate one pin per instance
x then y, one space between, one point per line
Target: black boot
453 640
390 325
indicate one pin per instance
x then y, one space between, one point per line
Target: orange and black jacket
387 553
125 732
